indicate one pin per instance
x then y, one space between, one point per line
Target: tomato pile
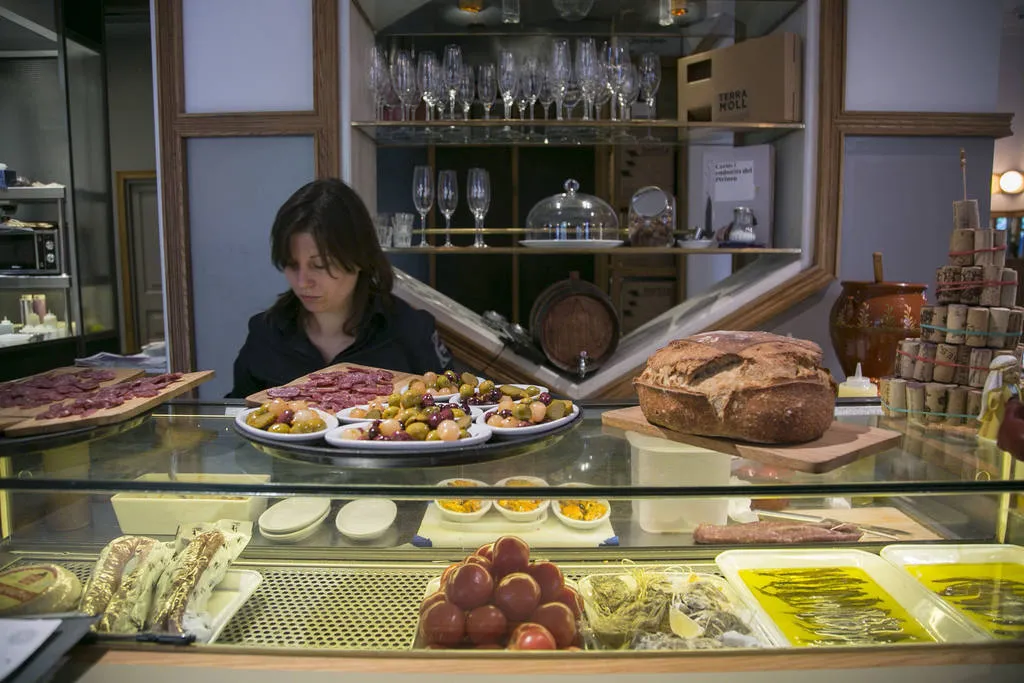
497 598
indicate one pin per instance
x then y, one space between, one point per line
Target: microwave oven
29 251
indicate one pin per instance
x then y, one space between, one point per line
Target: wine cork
980 360
945 363
908 357
935 402
965 215
992 285
938 331
915 401
998 322
962 376
947 279
1008 292
983 240
973 406
999 243
927 322
925 365
897 398
1014 325
956 404
977 327
961 248
970 279
956 323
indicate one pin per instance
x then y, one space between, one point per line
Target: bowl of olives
286 421
446 385
389 407
530 415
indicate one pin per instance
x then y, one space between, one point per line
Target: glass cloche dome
572 215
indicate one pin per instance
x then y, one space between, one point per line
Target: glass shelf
617 251
550 133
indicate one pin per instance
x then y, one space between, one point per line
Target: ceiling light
1011 182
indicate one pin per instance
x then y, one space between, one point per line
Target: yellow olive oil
819 606
989 594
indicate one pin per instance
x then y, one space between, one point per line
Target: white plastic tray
228 597
940 620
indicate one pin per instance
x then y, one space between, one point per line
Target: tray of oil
840 597
985 583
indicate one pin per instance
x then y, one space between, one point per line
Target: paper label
733 181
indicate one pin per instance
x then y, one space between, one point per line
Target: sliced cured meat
776 533
283 392
336 390
111 396
44 389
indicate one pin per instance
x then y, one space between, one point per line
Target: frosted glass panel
235 187
248 55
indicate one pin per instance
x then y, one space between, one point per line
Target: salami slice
776 533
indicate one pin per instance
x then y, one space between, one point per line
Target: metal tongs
883 531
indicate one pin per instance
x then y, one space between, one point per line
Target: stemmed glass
447 201
618 73
378 80
508 80
587 73
423 197
650 79
528 88
431 83
545 94
452 73
572 98
478 196
603 96
467 91
561 72
630 92
403 79
487 88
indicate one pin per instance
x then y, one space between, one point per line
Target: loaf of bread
748 386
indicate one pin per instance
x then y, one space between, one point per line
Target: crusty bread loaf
749 386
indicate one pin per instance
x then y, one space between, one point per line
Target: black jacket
398 338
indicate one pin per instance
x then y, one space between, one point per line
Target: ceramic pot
868 321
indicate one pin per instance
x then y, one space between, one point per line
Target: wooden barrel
572 317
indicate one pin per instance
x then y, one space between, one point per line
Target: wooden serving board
840 445
120 374
401 379
126 410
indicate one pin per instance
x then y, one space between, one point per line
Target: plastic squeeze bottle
858 386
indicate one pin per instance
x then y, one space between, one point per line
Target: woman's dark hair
341 226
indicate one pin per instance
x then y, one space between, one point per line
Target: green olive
486 386
463 433
452 377
532 390
406 415
465 391
555 411
431 410
421 417
418 431
390 412
521 411
433 436
458 412
470 379
464 422
410 399
514 392
394 399
279 428
442 382
373 414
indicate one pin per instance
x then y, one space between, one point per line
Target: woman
339 307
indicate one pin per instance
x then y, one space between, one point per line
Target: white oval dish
477 434
488 406
462 516
578 523
528 516
293 514
532 429
443 398
297 536
329 420
343 415
365 519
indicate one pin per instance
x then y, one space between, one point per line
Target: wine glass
630 92
545 94
650 79
587 73
508 80
561 72
487 88
378 79
478 196
573 93
403 80
602 96
618 71
527 87
452 73
431 84
423 197
467 91
447 201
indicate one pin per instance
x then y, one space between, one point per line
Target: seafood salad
990 594
832 606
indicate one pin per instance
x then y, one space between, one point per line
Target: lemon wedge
682 625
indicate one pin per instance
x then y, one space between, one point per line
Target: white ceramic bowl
528 516
329 420
296 536
293 514
454 516
365 519
696 244
578 523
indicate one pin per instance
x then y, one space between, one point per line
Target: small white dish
442 398
571 244
532 429
524 387
556 506
696 244
485 505
366 519
345 416
293 514
513 515
296 536
329 420
478 434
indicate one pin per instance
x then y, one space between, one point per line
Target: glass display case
324 578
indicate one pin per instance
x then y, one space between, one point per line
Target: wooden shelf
617 251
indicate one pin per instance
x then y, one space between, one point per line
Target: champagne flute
447 201
378 80
403 79
423 197
561 72
452 74
508 80
467 90
587 73
650 79
527 87
618 75
429 76
478 196
545 94
487 88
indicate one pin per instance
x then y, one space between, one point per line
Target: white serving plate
462 517
442 398
696 244
330 420
488 406
366 519
571 244
227 598
160 514
477 434
527 515
298 535
532 429
940 620
293 514
578 523
343 415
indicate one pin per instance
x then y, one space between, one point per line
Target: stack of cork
939 377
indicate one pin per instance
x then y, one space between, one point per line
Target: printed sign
733 181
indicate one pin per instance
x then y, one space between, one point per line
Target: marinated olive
374 414
394 400
452 377
279 428
486 386
417 430
390 412
422 416
458 412
466 390
556 410
513 392
389 427
309 426
431 410
532 390
442 382
521 412
469 378
430 378
464 433
464 422
433 436
418 386
406 415
538 411
410 399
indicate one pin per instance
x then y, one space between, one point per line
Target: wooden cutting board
401 379
120 374
126 410
840 445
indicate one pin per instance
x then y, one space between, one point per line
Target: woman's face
319 290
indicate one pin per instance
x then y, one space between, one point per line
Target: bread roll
749 386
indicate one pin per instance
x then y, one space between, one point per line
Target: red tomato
571 599
485 551
482 561
486 625
439 596
511 555
559 620
549 577
443 624
531 637
446 574
517 595
469 586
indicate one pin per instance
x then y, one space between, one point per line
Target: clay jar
868 321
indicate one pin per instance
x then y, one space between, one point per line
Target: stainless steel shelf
35 281
32 194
